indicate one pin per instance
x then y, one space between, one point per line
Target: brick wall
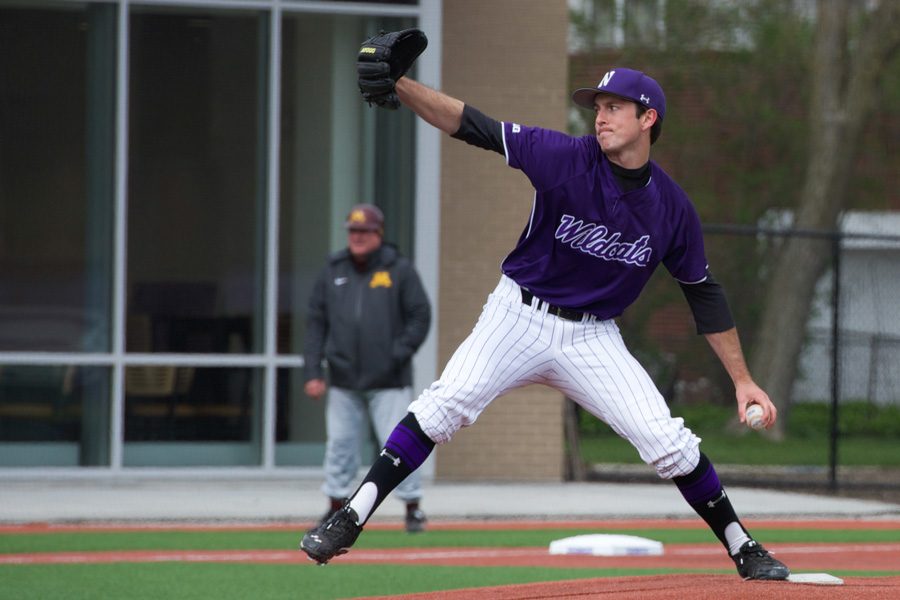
508 58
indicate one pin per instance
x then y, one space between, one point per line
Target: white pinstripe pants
514 344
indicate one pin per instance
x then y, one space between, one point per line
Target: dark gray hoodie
366 322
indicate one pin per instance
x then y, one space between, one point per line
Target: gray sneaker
754 562
333 537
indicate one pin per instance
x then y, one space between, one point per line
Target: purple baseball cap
625 83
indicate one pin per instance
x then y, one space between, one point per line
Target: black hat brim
584 97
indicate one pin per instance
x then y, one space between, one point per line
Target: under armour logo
645 99
391 457
712 503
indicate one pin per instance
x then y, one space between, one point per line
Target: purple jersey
587 245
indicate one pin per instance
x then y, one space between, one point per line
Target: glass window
299 422
54 416
335 152
192 416
329 160
56 176
196 191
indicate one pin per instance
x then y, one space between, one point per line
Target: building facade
172 175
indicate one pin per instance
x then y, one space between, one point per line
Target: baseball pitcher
604 216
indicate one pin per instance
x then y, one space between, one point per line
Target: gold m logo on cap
357 216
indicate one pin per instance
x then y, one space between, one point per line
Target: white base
815 578
607 545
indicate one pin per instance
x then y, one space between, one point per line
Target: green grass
753 449
219 581
868 438
183 581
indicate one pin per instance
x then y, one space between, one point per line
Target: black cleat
333 537
415 521
754 562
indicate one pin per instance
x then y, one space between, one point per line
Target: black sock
405 450
703 491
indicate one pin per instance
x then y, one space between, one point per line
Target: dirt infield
673 587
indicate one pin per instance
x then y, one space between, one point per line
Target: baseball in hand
754 416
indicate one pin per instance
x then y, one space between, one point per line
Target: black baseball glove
385 58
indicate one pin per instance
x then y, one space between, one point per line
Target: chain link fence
842 415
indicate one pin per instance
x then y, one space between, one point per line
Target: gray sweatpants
346 420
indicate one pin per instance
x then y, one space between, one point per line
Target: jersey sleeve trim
503 137
701 280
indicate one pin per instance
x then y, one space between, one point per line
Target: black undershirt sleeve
480 130
709 305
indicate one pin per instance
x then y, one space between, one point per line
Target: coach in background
368 314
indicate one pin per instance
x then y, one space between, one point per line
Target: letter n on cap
605 81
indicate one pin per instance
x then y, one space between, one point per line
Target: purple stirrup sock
703 491
407 446
404 451
700 486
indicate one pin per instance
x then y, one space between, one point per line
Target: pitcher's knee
678 463
439 417
437 425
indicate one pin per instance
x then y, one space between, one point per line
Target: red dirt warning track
800 557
